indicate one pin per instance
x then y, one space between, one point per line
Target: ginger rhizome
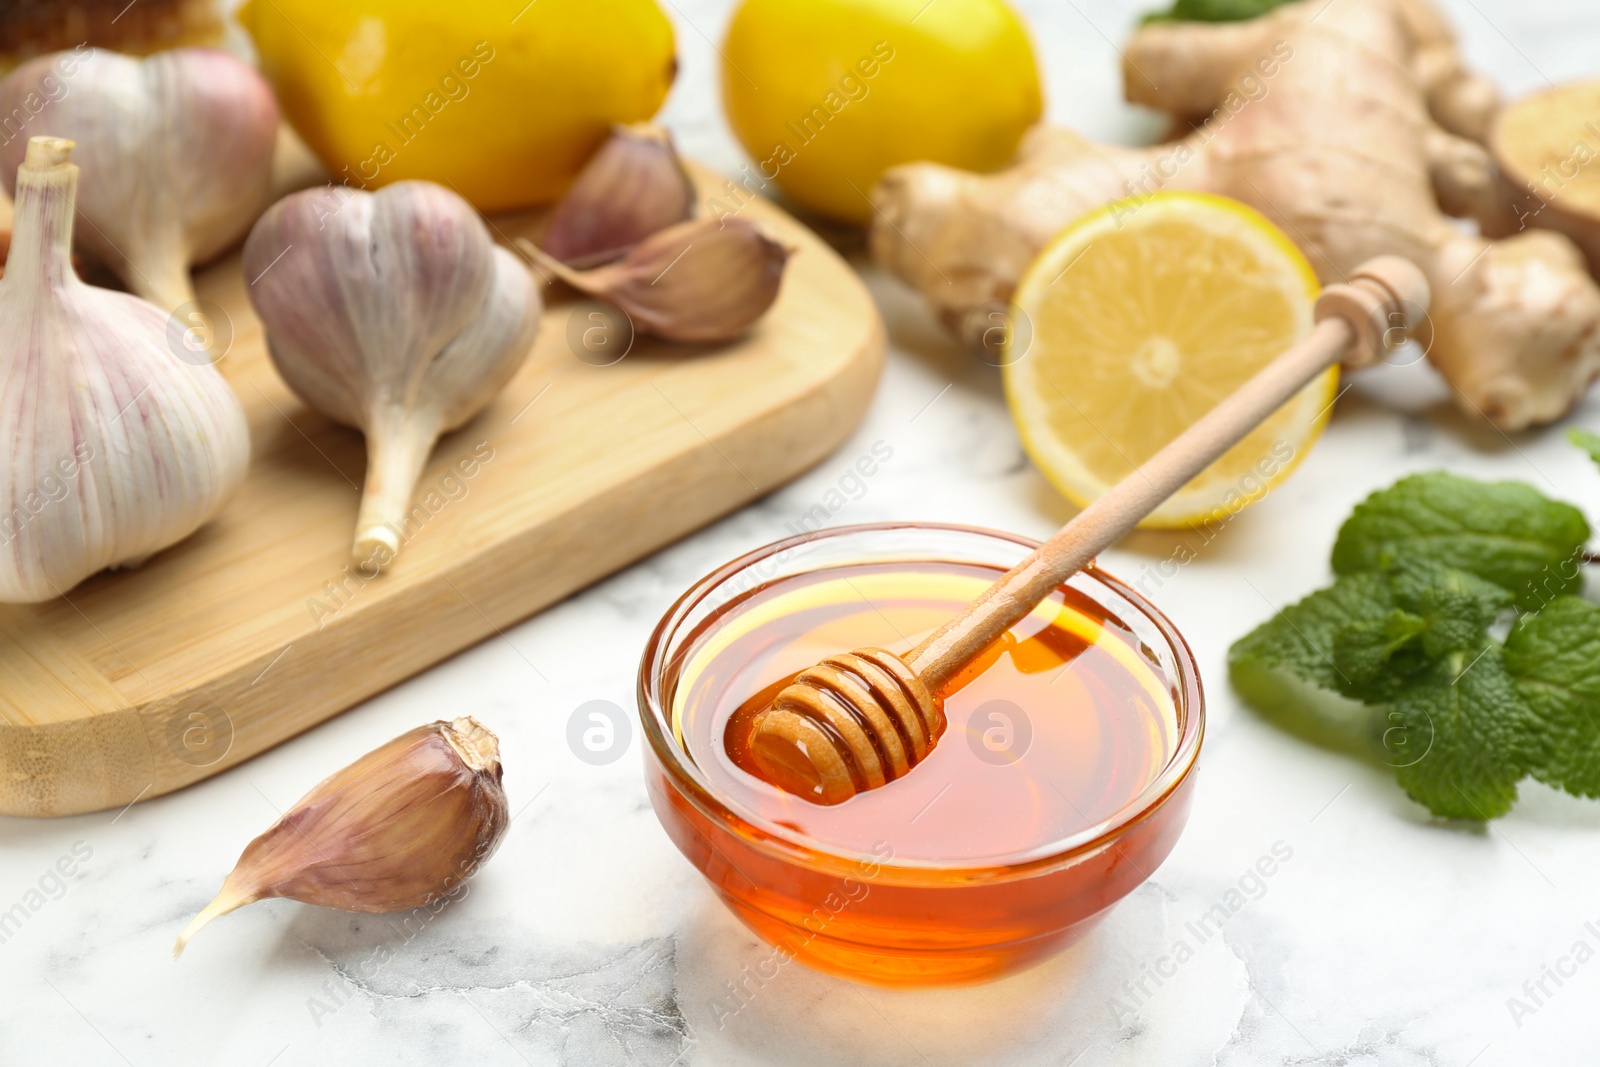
1354 126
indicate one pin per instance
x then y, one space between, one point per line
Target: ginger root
1354 126
1546 146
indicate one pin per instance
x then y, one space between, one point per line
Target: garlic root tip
44 153
375 547
226 901
475 743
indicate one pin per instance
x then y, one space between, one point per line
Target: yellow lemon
825 95
501 100
1135 322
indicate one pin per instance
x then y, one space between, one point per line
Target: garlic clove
632 187
402 827
393 312
176 152
700 282
116 447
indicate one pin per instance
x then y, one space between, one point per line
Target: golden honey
1051 794
1056 728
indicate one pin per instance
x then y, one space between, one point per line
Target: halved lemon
1135 322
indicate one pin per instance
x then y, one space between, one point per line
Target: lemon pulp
1135 322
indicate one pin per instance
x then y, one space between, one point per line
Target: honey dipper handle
1384 296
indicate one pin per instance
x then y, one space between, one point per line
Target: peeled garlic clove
401 827
176 152
114 447
699 282
395 313
634 186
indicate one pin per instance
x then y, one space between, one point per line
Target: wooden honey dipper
860 720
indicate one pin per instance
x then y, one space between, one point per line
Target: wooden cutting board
256 628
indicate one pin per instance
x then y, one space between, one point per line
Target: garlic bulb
395 313
402 827
176 152
700 282
115 447
632 187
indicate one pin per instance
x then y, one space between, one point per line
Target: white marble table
1383 939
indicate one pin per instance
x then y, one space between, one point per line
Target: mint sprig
1397 660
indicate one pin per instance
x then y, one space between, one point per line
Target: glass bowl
874 917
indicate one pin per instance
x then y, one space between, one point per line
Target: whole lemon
826 95
501 100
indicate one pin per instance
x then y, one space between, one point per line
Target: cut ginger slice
1136 321
1547 146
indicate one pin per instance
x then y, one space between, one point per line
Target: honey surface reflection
1055 729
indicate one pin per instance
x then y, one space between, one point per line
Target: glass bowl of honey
1061 782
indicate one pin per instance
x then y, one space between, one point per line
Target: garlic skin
115 447
395 313
402 827
632 187
176 152
5 249
704 281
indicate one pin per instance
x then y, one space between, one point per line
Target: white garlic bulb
393 312
115 447
176 152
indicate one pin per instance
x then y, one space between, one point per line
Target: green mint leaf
1375 660
1397 655
1214 10
1438 611
1430 588
1554 656
1460 737
1506 533
1286 669
1587 441
1457 606
1413 675
1300 638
